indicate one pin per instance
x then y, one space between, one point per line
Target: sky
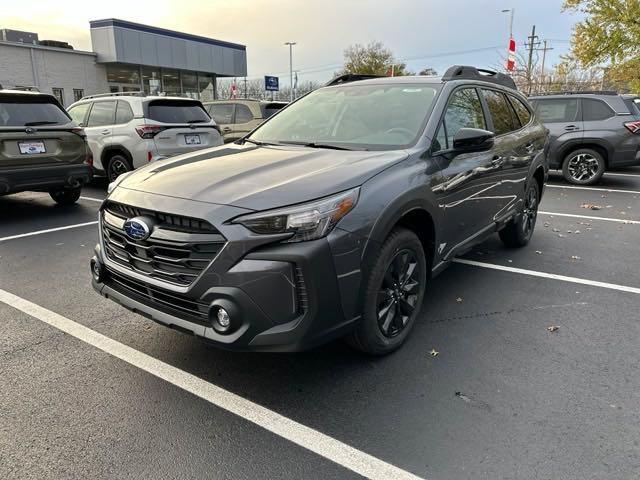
423 33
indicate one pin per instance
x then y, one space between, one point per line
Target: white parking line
553 276
606 190
49 230
348 457
91 199
619 220
606 173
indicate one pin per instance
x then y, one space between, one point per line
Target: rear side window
177 111
102 113
124 114
500 112
595 110
18 112
557 110
270 108
523 113
463 111
222 113
243 114
79 113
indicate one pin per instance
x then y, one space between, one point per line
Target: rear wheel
393 294
518 231
583 167
116 166
66 196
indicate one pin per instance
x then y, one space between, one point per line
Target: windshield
30 111
376 117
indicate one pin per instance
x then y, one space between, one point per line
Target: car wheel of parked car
518 231
116 166
66 196
583 167
393 294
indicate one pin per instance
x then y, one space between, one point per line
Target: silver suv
128 131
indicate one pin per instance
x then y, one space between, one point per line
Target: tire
583 167
518 231
388 287
116 166
66 196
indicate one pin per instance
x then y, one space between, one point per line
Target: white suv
126 131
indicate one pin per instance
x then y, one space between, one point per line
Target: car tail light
89 158
148 131
633 127
79 131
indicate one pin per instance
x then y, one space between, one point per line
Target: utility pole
544 55
532 44
291 44
245 87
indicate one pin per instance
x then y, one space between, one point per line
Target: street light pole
291 44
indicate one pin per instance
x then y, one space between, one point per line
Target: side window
243 114
595 110
79 113
124 114
500 112
222 113
102 113
557 110
523 113
463 111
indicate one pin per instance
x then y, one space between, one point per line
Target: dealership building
126 57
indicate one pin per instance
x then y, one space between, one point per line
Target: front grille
177 223
165 255
165 301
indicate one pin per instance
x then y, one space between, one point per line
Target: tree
428 71
609 35
372 59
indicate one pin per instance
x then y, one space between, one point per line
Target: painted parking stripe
606 190
619 220
552 276
91 199
605 173
49 230
348 457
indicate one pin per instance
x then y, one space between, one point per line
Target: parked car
591 132
330 218
41 148
126 131
238 117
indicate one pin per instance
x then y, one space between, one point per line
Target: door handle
105 132
571 128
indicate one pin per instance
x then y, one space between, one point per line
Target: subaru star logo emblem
138 228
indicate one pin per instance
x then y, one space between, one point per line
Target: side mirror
472 140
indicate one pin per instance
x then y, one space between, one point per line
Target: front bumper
282 297
42 177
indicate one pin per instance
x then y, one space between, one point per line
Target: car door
99 128
466 189
223 113
244 121
563 118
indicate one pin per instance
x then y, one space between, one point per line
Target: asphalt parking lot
503 398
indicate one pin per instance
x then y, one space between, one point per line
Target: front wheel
66 196
116 166
518 231
393 294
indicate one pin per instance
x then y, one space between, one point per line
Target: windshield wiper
41 122
256 142
331 146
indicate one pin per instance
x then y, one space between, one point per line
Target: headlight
117 181
307 221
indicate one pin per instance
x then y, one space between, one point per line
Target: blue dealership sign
271 83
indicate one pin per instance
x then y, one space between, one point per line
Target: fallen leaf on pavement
591 206
553 328
538 252
459 299
575 257
434 352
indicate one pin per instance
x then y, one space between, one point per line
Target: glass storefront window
124 75
206 86
171 81
190 85
151 80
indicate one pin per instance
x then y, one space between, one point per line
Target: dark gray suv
590 132
330 218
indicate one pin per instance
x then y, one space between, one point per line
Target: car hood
259 178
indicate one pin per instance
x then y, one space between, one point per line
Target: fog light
96 270
224 320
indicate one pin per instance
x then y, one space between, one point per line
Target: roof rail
137 93
577 92
27 88
351 77
465 72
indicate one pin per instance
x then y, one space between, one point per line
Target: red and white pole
511 55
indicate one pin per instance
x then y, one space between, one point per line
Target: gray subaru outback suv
590 132
328 219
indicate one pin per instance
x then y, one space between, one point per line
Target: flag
511 58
